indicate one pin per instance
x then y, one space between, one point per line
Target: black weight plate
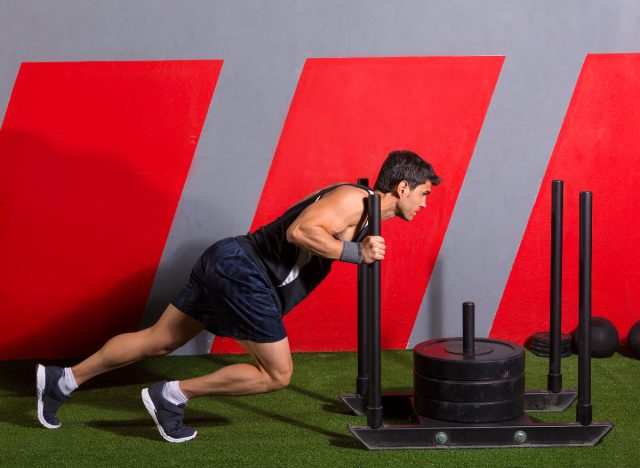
544 338
468 391
477 412
443 358
547 348
546 343
546 353
543 354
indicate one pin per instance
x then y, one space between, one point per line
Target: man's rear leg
54 384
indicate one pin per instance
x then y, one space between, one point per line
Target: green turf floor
105 424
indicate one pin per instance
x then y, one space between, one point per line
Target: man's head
409 178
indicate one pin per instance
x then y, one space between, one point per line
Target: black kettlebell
633 340
604 338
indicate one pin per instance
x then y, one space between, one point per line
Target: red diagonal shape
346 115
93 159
597 150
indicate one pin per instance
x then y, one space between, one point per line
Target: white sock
172 393
67 382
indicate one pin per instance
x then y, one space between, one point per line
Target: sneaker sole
151 409
40 384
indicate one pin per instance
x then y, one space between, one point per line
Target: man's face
412 201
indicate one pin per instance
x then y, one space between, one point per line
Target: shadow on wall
82 236
173 272
171 277
435 308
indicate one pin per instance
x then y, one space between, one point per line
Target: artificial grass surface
105 423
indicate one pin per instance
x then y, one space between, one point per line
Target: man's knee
273 360
281 380
159 343
172 330
276 379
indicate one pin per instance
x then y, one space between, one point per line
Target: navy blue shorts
231 295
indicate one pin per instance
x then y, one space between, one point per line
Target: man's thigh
175 327
274 358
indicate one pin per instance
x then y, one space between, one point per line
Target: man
241 287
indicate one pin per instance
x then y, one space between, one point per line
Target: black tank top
294 272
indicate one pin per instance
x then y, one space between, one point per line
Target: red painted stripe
345 117
597 150
93 159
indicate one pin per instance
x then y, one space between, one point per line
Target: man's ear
403 188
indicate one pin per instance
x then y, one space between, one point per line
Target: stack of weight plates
539 344
486 387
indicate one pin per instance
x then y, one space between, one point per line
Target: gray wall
264 45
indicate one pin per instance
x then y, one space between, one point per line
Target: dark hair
404 165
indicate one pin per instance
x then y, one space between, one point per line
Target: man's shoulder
335 196
346 196
345 189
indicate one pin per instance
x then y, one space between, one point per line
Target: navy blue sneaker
50 397
167 416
